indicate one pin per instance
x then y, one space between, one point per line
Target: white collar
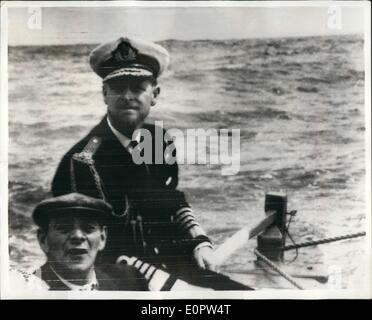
91 285
124 140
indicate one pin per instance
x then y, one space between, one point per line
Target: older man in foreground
72 232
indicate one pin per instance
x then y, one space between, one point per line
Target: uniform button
169 180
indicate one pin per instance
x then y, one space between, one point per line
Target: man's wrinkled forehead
74 218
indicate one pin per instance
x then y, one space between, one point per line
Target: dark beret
127 57
73 202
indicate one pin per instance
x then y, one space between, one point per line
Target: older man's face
72 242
129 101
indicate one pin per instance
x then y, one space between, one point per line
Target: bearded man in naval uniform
152 219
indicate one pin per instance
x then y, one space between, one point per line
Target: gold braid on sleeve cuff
185 221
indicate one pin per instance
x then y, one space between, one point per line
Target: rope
321 241
289 235
278 270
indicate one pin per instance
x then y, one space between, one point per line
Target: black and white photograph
185 149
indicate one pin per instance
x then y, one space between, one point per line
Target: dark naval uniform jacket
110 278
151 217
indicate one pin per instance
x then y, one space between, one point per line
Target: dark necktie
133 144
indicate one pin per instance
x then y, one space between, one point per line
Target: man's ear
104 92
43 241
103 238
155 94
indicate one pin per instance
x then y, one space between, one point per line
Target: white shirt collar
124 140
91 285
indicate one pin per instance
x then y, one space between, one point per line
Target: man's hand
205 257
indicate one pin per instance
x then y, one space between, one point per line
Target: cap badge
125 53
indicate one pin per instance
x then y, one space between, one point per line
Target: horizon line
201 39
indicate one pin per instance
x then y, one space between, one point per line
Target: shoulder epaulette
86 155
92 146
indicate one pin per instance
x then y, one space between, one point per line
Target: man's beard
125 125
